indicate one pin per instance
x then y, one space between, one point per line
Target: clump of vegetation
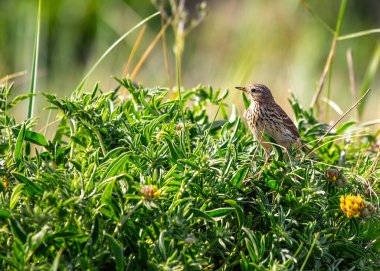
152 184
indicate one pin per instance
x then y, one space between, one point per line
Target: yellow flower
150 191
351 205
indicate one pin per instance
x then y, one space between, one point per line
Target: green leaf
174 150
342 128
114 153
95 230
37 239
117 250
18 149
31 187
189 163
17 230
273 184
62 234
161 245
239 176
17 190
31 136
219 212
109 207
216 124
200 214
146 105
4 214
77 165
78 140
233 135
107 194
57 258
246 101
36 138
114 168
18 99
244 262
239 210
251 250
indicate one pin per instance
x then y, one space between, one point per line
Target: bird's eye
253 90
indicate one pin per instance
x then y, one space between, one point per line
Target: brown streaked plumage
264 115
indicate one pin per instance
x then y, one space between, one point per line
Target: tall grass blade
369 76
359 34
81 84
33 81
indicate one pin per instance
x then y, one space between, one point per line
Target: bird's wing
287 121
277 112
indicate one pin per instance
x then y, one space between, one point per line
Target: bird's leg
267 157
246 180
267 146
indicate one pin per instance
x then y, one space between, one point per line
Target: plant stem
310 250
33 81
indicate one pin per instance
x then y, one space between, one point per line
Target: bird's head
257 92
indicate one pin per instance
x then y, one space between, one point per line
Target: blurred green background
278 43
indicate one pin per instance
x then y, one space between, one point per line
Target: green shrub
130 185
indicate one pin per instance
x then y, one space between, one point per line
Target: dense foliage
152 182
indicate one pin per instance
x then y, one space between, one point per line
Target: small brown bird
264 115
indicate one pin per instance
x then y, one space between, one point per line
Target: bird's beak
242 88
